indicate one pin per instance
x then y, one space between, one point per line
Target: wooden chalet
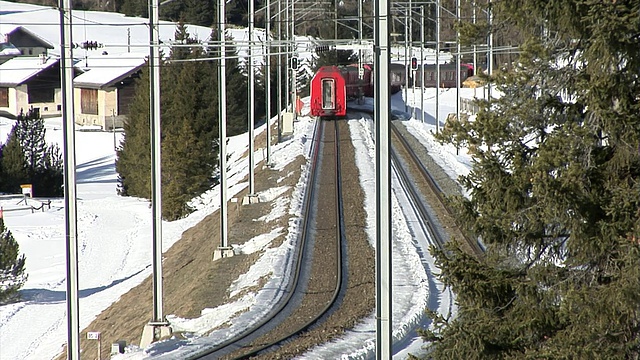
20 41
30 82
102 94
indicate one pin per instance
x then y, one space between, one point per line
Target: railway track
317 286
424 179
314 308
426 186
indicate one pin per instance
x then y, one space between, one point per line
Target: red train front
332 86
328 92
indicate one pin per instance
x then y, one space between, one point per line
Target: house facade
102 94
20 41
30 82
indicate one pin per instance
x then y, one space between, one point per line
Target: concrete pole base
153 332
250 199
222 252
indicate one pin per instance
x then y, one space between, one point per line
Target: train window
328 94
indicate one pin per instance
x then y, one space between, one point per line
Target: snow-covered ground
115 237
114 233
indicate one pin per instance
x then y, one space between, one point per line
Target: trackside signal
294 63
414 63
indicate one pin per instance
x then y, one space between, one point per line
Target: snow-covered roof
19 69
105 70
8 49
117 32
8 29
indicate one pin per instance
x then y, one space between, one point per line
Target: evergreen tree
133 7
191 127
554 194
133 162
12 275
29 129
199 12
41 165
335 57
183 177
49 179
188 104
14 166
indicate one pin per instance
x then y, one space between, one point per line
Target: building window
4 97
40 93
89 101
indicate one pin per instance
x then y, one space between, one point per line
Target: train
333 86
447 75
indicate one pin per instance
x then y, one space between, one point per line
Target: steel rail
435 188
340 235
214 351
416 201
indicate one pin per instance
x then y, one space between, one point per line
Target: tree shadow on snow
49 296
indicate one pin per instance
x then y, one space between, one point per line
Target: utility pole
475 48
224 250
156 173
458 77
287 57
490 45
113 128
422 63
279 20
360 62
406 67
294 87
70 197
415 72
335 20
437 66
158 326
382 119
268 81
252 186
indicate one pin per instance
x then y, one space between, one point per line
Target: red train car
328 92
333 86
356 87
447 75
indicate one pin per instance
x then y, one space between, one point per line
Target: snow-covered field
114 233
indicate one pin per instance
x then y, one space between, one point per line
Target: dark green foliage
335 57
194 12
189 106
12 275
48 180
274 83
133 7
133 163
26 158
14 166
237 94
554 194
